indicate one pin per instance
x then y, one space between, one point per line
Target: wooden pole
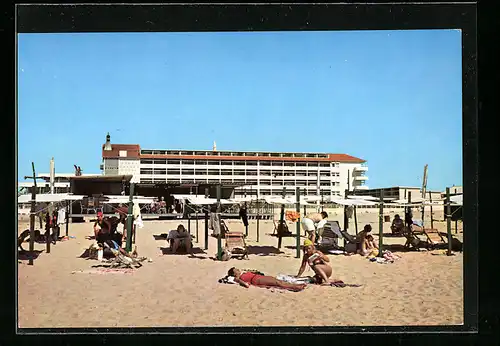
206 220
282 214
67 217
246 226
128 246
197 232
49 231
448 220
356 219
408 209
381 224
456 226
189 219
219 237
346 220
258 219
432 217
297 208
32 218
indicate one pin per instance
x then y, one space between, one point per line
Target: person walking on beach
309 223
318 262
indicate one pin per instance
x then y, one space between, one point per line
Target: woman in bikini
246 279
318 262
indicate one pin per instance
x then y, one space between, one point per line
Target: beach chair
236 245
330 235
352 243
412 239
434 238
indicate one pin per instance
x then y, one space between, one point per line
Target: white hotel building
258 173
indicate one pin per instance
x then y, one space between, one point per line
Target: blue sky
393 98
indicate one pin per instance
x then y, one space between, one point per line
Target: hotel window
252 182
213 172
301 173
277 183
301 164
239 172
252 172
201 172
265 173
160 161
146 152
146 171
277 163
311 183
188 162
251 163
289 183
311 193
312 174
183 153
239 163
213 162
265 182
301 182
173 172
160 171
146 161
324 183
265 163
324 164
200 162
213 181
188 171
226 172
173 162
289 164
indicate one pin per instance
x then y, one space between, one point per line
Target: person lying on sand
246 279
318 262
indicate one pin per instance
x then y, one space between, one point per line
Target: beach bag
226 255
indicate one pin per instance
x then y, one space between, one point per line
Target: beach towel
104 271
295 280
342 284
227 280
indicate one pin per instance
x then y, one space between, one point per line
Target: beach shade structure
55 198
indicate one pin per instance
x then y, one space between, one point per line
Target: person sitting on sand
309 223
360 238
179 237
370 247
246 279
318 263
397 225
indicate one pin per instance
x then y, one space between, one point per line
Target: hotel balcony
361 187
360 177
362 169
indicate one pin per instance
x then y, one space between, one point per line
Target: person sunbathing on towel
318 263
246 279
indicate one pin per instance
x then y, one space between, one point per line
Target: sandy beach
422 288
